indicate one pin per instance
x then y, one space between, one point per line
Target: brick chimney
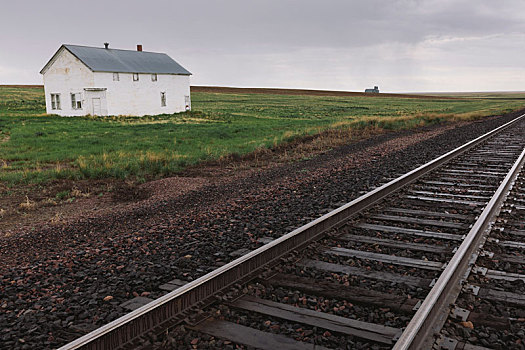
139 47
106 45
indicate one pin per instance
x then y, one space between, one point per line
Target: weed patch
37 148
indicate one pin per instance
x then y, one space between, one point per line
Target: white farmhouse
81 80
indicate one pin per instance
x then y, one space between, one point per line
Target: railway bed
495 287
378 272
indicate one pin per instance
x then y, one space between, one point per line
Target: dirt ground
56 202
27 207
232 90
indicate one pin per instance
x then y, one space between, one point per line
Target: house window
154 77
76 101
135 76
163 99
116 77
55 101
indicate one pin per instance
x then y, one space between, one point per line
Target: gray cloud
333 44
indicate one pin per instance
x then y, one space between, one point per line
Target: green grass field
35 147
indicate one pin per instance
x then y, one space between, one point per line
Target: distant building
375 90
81 80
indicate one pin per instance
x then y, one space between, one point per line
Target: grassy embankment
36 148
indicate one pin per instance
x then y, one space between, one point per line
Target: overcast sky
400 45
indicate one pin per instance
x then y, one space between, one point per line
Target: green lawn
35 147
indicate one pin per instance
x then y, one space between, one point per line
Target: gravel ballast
58 282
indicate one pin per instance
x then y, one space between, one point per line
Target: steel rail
156 313
432 313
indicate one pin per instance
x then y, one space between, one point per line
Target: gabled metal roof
123 61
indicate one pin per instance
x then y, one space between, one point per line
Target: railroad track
378 272
490 310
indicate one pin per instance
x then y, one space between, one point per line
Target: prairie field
37 148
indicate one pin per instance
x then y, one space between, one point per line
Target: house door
96 106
